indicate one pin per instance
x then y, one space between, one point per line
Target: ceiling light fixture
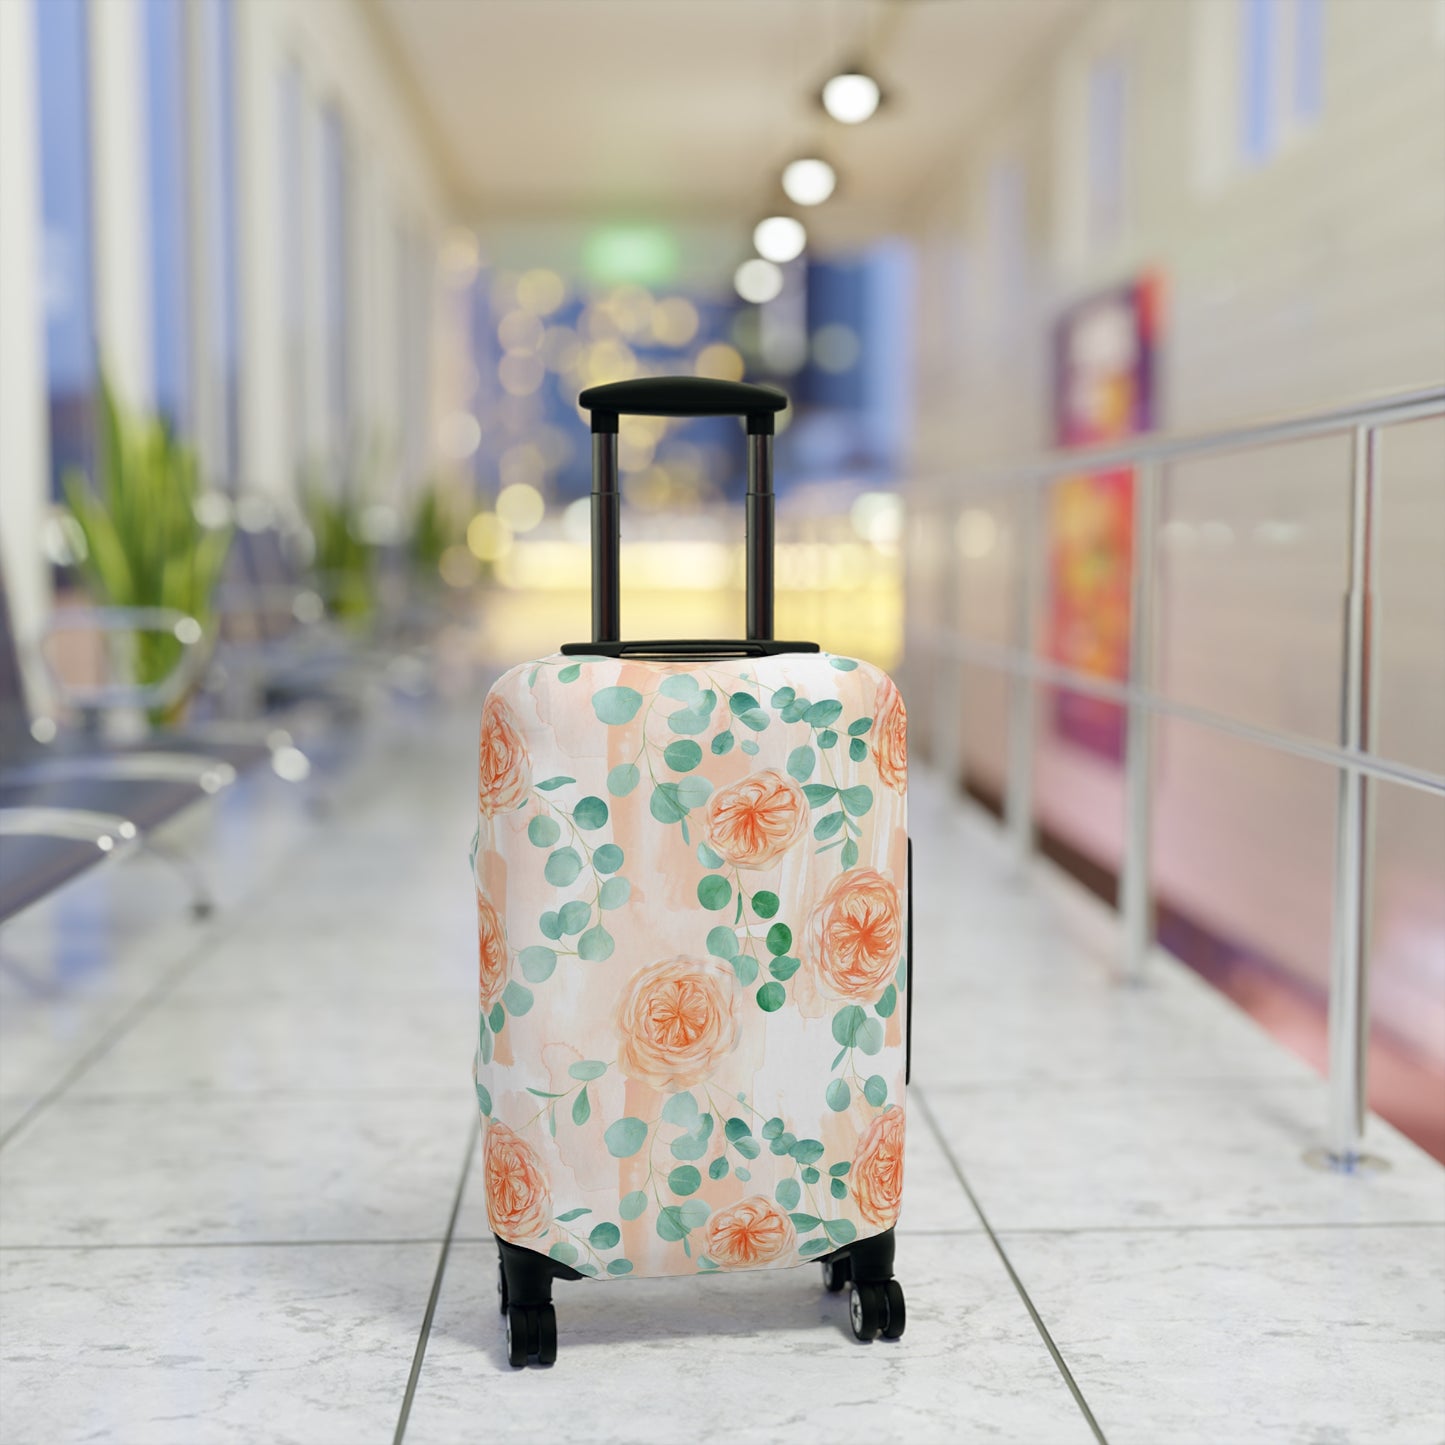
780 238
809 181
852 96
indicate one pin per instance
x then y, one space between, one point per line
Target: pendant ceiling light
809 181
852 96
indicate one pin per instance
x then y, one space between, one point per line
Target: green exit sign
644 255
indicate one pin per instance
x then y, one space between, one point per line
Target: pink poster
1103 391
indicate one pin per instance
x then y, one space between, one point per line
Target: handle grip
682 396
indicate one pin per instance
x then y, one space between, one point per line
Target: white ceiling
686 110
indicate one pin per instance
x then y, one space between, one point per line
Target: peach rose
855 935
878 1168
753 822
519 1204
504 773
676 1021
492 948
890 736
753 1231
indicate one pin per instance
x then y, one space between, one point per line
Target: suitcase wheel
876 1309
837 1274
531 1334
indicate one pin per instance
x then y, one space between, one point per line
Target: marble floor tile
232 1169
1283 1337
385 952
749 1358
12 1108
295 1043
933 1200
1113 1155
1070 1025
227 1346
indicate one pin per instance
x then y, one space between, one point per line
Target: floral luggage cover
691 906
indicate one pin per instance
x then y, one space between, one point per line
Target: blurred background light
809 181
758 280
720 361
851 97
488 537
459 434
520 373
541 291
674 321
836 348
521 506
780 238
461 257
878 517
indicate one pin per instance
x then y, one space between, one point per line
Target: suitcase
691 870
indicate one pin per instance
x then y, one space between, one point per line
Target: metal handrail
1352 756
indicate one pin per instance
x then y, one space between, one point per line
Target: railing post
1019 802
1135 875
1349 1006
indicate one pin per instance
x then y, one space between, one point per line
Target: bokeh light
488 537
809 181
836 348
520 372
758 280
674 321
541 291
720 361
780 238
877 517
851 97
521 507
520 331
459 434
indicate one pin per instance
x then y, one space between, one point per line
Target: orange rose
754 1231
504 774
519 1203
752 822
492 947
676 1020
890 736
878 1168
855 934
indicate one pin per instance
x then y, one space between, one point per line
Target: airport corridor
242 1186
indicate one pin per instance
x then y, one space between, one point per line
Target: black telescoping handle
680 396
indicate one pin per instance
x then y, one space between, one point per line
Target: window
1309 66
1281 84
293 261
166 153
336 264
67 284
1106 120
220 359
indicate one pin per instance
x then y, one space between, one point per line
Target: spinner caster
837 1273
531 1334
877 1309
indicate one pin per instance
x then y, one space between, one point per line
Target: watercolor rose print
692 929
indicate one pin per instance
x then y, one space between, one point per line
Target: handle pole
760 534
606 539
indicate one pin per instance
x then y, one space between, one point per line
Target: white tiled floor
233 1174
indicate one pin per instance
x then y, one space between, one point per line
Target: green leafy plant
343 558
438 521
145 544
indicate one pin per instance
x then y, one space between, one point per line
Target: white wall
1313 278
